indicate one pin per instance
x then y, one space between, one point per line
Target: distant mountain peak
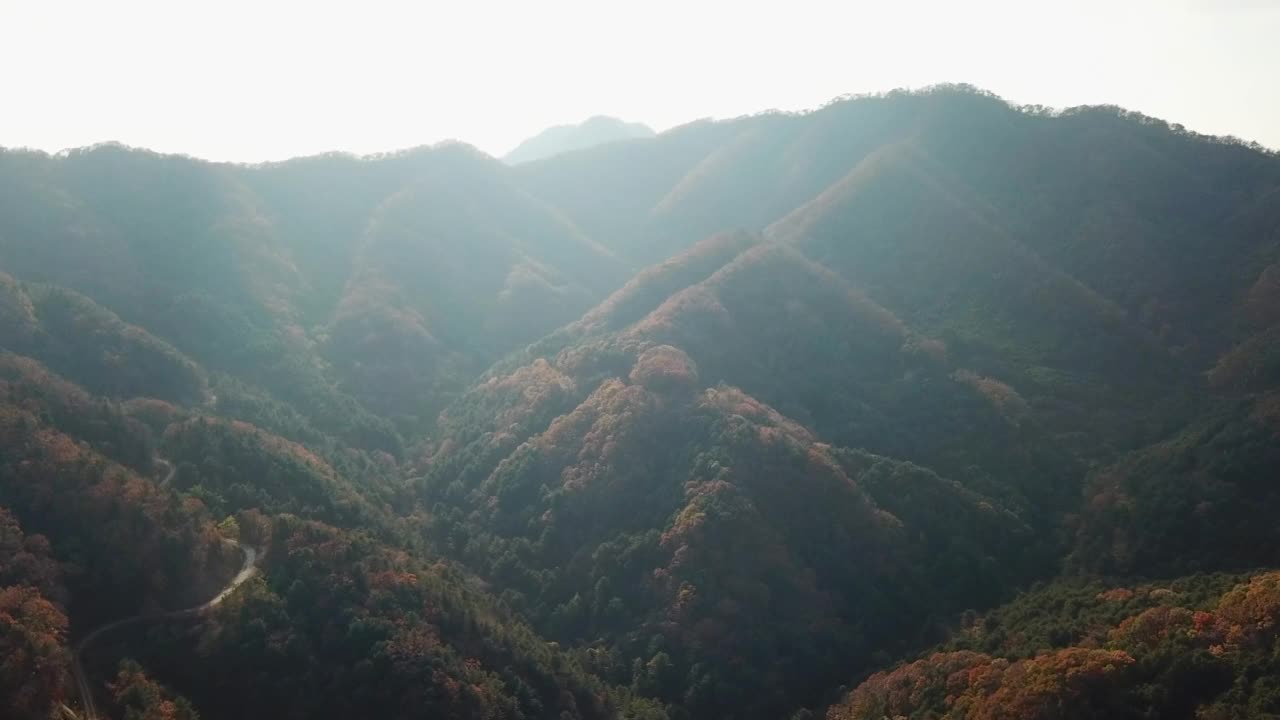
595 130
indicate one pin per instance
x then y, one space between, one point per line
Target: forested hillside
917 405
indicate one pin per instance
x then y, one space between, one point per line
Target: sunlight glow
246 80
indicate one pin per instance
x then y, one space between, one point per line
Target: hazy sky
264 79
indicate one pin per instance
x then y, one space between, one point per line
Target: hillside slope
722 422
911 299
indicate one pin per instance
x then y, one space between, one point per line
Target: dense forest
915 405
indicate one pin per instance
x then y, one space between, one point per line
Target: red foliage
33 654
1061 684
911 688
141 698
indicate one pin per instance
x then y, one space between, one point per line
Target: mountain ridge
750 418
559 139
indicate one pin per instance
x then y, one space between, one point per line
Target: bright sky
252 80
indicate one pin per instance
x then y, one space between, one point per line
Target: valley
917 404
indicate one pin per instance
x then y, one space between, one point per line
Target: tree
33 654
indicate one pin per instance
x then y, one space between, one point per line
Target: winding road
168 475
249 569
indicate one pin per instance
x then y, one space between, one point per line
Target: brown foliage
1063 684
1153 627
665 369
1262 305
140 545
155 414
911 688
525 393
27 560
932 349
1249 364
18 370
732 401
653 285
1057 685
33 654
270 441
142 698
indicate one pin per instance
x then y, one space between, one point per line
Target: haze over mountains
593 131
918 405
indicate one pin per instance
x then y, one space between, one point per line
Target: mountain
319 279
917 404
1191 647
912 306
560 139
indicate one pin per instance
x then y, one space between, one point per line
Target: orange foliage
965 684
33 654
24 370
59 449
1154 626
695 306
732 401
1053 685
1252 610
156 414
142 697
1116 595
664 368
909 688
128 524
392 579
525 392
595 430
